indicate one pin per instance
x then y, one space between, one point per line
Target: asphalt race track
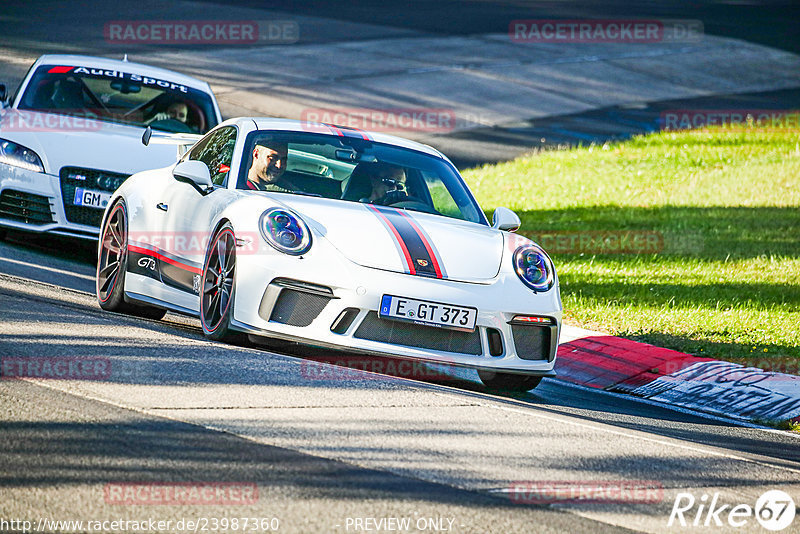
179 408
176 407
330 449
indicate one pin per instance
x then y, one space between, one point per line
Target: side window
216 151
196 149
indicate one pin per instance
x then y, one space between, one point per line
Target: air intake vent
495 341
297 308
374 328
532 342
345 319
25 207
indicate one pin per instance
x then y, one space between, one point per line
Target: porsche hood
402 240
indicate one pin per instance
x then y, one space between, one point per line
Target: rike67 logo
774 510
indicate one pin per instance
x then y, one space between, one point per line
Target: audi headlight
285 231
20 156
534 268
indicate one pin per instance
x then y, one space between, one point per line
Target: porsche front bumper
336 307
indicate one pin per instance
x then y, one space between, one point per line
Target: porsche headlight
285 231
534 268
20 156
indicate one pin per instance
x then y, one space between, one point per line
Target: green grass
716 268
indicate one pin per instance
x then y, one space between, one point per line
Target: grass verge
688 240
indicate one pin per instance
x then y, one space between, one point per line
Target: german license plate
428 313
91 198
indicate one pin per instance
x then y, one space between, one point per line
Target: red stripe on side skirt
155 254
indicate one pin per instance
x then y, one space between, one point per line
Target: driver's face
178 111
270 163
387 180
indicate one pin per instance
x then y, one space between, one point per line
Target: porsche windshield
355 170
117 96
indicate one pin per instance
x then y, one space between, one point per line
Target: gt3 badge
147 263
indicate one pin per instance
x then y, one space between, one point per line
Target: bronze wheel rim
112 253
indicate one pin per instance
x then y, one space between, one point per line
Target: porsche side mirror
505 219
194 173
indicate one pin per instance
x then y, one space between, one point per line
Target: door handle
162 206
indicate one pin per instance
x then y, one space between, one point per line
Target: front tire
112 262
508 381
216 286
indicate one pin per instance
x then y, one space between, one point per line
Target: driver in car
388 184
266 171
177 110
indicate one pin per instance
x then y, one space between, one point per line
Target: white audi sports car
335 238
72 134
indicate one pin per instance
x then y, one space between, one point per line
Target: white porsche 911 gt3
72 134
335 238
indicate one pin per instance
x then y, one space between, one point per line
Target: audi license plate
91 198
428 313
